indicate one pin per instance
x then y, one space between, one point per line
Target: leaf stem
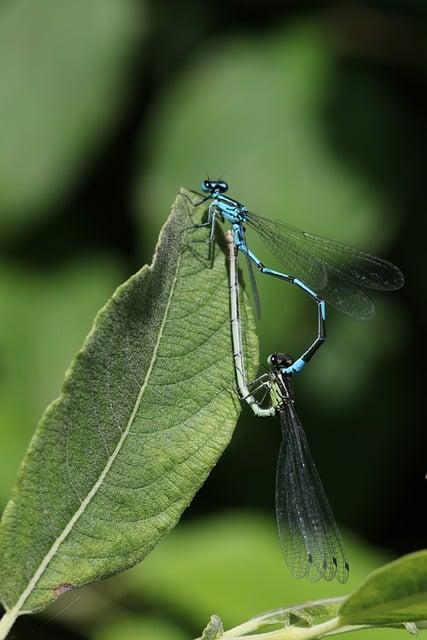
288 633
7 622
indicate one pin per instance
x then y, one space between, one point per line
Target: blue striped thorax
230 209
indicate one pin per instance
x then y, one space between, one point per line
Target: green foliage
391 596
252 105
132 628
64 75
231 564
238 559
394 593
145 412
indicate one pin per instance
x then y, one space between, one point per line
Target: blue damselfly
325 269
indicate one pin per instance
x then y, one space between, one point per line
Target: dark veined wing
348 270
346 297
359 267
310 539
297 261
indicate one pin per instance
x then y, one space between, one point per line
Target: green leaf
64 69
395 593
146 410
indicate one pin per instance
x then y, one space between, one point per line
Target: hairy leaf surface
146 409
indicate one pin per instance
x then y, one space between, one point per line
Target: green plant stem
7 622
288 633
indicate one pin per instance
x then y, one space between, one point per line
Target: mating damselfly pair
328 272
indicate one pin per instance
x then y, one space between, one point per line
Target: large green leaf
395 593
64 69
146 409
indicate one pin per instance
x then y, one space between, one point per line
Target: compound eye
206 186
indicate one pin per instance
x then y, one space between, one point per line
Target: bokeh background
315 112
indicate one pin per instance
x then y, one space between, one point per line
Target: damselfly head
279 360
214 186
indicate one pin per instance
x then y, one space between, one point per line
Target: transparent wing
310 539
294 259
346 297
347 270
359 267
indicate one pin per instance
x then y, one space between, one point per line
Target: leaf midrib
86 502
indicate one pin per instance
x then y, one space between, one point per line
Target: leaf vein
86 502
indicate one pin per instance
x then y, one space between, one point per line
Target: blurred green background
315 112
